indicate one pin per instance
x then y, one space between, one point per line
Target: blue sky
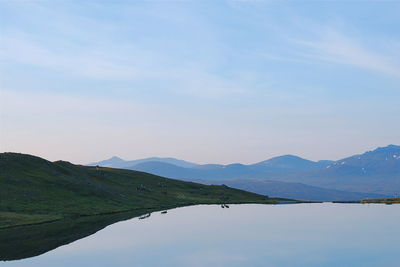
206 81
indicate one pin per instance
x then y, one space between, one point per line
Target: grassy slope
34 190
382 200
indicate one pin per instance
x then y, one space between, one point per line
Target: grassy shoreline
381 201
36 219
371 201
29 240
34 190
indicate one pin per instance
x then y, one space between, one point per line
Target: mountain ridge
373 172
115 162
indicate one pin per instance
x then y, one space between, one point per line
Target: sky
205 81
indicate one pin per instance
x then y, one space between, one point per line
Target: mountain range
116 162
371 174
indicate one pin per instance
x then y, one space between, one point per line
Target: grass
34 190
9 219
382 201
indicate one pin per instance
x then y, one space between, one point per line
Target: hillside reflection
29 241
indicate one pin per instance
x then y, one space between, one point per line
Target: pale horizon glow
204 81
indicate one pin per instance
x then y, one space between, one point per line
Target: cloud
120 62
336 47
19 48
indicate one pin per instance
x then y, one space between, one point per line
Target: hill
34 190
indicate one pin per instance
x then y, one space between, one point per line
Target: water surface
323 234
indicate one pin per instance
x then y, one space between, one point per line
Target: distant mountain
288 163
260 186
162 169
383 160
204 172
297 190
116 162
374 172
277 165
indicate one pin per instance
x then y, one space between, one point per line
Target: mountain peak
286 162
115 158
284 159
117 162
111 162
288 156
388 148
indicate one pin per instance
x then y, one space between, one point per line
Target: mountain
113 162
34 190
181 169
383 160
215 175
283 164
167 167
288 163
297 190
204 172
163 169
116 162
374 172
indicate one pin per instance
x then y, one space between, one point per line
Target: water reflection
28 241
243 235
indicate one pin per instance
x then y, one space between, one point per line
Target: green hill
34 190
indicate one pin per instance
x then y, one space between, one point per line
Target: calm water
243 235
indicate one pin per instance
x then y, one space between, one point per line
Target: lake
320 234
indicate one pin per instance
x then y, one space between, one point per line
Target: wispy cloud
336 47
81 46
120 62
19 48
